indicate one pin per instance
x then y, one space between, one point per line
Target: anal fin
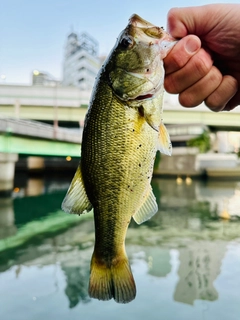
148 208
76 200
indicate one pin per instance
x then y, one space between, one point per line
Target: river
185 260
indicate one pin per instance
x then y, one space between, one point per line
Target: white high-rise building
81 63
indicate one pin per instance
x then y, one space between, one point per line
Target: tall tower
81 62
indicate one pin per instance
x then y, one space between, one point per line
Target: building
81 63
40 78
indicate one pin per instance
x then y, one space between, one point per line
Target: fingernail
192 45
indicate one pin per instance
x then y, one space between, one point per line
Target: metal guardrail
39 130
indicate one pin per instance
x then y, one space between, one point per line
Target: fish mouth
147 95
144 97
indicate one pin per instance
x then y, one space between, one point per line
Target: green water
185 260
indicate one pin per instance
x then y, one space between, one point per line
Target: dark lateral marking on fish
140 165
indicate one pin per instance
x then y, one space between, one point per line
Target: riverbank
187 162
184 162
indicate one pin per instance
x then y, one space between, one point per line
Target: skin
123 130
204 66
120 141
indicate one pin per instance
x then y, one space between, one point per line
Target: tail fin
115 281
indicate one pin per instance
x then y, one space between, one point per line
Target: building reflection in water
200 265
180 225
158 260
77 282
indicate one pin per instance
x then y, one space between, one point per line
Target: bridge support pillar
7 170
35 163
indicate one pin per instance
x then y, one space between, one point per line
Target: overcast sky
33 33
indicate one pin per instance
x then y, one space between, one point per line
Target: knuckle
178 60
220 97
188 100
214 103
201 67
171 85
232 83
215 76
171 16
201 63
175 60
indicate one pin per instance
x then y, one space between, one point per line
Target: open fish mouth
145 96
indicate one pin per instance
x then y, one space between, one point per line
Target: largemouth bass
123 130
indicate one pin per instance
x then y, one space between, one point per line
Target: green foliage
157 160
202 142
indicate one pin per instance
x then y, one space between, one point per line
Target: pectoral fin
152 114
151 121
164 142
76 200
148 208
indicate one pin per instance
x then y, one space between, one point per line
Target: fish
123 130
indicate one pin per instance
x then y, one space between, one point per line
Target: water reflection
7 220
187 222
76 289
200 266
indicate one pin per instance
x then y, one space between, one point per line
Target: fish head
135 65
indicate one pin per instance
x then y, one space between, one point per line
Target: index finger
181 53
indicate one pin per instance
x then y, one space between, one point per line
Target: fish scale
115 152
123 130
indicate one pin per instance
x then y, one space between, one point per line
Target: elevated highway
69 105
31 138
35 138
217 121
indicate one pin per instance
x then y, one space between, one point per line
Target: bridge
38 139
32 138
69 105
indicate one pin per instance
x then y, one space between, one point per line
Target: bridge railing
39 130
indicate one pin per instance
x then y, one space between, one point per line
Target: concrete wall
188 162
182 162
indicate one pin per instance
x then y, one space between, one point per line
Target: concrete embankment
184 162
188 162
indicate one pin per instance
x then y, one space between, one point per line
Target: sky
33 33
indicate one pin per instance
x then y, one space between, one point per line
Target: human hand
205 64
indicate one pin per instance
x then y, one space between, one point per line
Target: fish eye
127 42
